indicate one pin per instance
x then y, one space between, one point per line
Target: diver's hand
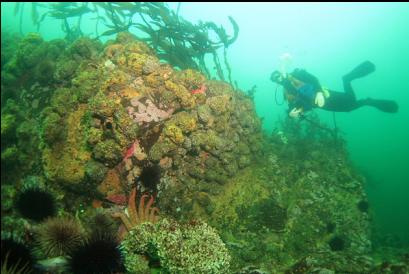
295 113
320 99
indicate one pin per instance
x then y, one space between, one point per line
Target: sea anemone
36 204
100 254
150 177
15 257
59 236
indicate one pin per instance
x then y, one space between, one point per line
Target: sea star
137 216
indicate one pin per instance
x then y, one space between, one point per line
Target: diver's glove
295 112
320 99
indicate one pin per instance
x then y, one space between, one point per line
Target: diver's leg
383 105
349 91
360 71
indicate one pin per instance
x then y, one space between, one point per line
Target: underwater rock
44 72
8 127
8 193
53 128
111 185
151 65
10 156
104 113
65 160
95 171
193 247
108 152
270 215
30 51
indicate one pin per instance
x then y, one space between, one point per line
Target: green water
328 40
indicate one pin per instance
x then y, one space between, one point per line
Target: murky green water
328 40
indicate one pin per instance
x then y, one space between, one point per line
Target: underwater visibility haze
144 137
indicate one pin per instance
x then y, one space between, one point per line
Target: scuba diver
304 92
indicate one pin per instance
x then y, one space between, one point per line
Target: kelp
35 15
190 43
177 41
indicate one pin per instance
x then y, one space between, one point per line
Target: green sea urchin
59 236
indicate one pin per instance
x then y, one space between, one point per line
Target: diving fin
383 105
361 70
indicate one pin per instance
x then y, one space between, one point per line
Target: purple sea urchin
100 255
36 204
150 177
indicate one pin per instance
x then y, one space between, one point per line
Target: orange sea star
136 216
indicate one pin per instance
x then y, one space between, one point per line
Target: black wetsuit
337 101
344 101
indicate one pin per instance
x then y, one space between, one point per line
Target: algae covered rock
10 156
53 128
95 171
8 126
65 160
89 118
30 51
194 247
108 152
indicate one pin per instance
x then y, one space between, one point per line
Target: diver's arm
296 113
301 105
295 109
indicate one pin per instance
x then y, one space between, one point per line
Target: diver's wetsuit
344 101
339 101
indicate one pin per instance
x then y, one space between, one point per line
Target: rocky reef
102 126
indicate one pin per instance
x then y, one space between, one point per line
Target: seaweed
177 41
